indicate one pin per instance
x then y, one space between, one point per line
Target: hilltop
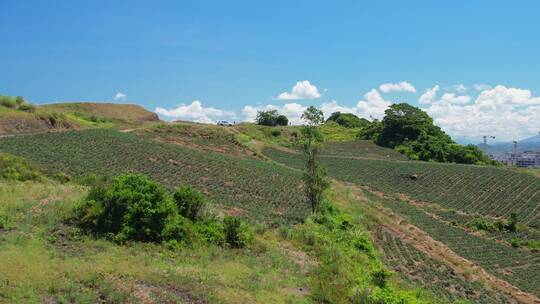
77 115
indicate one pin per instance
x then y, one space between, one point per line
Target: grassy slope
436 183
74 116
286 265
44 260
125 112
280 240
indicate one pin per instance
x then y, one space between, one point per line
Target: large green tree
411 131
271 118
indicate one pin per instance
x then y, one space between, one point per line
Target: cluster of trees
348 120
135 208
411 131
271 118
16 103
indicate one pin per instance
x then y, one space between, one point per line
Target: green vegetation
348 120
489 191
418 269
202 137
45 259
360 149
161 221
411 131
133 208
349 269
315 181
18 169
256 190
519 267
271 118
17 103
333 132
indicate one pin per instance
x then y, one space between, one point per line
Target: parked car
225 123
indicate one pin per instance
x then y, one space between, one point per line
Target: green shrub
133 207
237 233
380 277
8 101
26 107
190 202
276 132
512 224
210 231
3 221
481 224
15 168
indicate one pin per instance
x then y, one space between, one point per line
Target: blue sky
227 59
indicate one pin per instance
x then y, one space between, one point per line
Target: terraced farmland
417 268
488 191
516 266
255 189
361 149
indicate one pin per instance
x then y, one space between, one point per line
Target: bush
26 107
8 101
237 233
276 133
15 168
512 224
189 202
380 277
210 231
271 118
133 207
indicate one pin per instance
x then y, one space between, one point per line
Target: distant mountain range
528 144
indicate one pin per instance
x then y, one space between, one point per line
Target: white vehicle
225 123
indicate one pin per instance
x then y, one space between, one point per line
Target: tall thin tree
315 181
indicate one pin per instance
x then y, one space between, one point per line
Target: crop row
420 269
259 190
488 191
519 267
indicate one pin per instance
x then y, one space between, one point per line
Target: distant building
526 159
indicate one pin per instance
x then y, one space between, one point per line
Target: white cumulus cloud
455 99
429 95
195 112
508 113
301 90
371 106
459 88
120 96
397 87
481 87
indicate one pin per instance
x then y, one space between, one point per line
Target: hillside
65 116
433 225
444 200
123 112
240 185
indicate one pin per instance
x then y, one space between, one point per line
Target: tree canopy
411 131
271 118
348 120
